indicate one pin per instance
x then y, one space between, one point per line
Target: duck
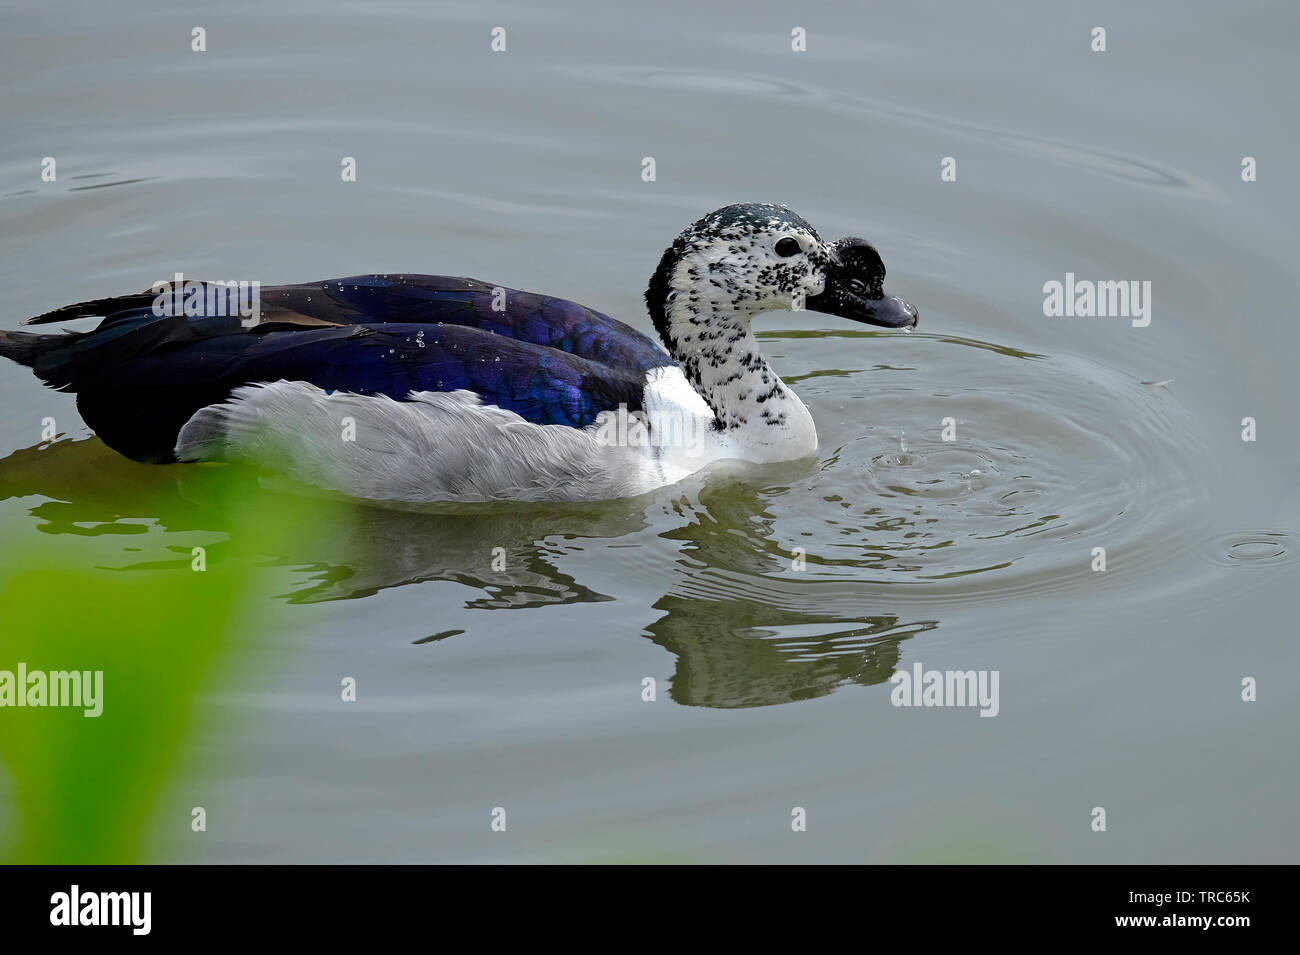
425 388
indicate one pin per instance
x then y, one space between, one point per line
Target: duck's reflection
738 641
733 653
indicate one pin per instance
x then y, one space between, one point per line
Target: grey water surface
1119 689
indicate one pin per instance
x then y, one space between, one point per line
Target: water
481 688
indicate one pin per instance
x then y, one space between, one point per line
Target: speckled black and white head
742 259
745 259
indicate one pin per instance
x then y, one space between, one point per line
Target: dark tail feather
95 308
26 348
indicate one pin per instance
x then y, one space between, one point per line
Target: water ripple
1004 483
1249 548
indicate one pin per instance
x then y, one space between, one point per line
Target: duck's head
755 257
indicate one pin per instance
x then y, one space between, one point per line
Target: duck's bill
854 279
888 311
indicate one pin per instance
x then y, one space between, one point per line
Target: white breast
680 410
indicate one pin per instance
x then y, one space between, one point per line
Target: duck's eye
857 286
787 247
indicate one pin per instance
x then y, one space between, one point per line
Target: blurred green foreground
159 619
